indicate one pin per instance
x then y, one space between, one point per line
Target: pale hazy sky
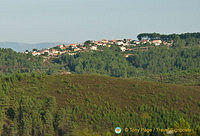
80 20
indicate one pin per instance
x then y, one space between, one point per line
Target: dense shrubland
40 104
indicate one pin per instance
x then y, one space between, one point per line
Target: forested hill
61 105
175 65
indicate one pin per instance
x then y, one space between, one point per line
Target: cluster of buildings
71 49
124 45
154 42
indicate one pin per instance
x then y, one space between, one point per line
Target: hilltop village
125 45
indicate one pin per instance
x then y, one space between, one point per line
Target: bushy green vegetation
161 63
39 104
165 60
174 65
110 61
11 61
189 38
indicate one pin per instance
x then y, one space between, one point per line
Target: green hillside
177 64
62 105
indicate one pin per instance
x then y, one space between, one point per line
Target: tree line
168 37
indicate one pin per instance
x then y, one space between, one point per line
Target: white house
93 48
119 42
157 42
123 48
36 53
60 46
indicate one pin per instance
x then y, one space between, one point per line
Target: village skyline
125 45
22 46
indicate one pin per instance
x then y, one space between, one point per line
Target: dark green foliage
155 36
109 102
12 61
166 60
